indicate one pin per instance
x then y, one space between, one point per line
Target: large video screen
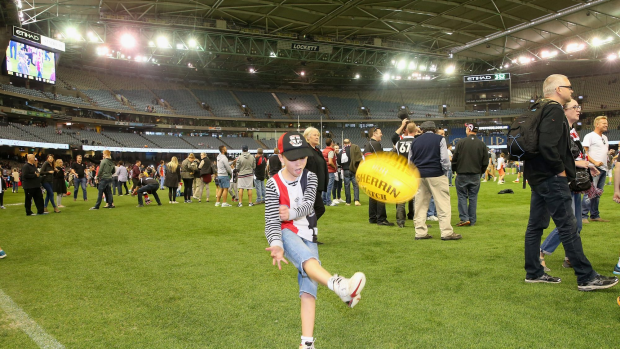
488 88
30 62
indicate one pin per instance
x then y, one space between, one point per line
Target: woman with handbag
581 184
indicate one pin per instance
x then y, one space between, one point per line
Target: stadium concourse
170 169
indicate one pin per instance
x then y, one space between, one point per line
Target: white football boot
349 289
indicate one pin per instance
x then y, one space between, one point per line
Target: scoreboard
487 88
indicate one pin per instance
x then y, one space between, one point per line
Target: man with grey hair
548 174
596 146
429 154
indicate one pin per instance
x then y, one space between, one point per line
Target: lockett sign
304 47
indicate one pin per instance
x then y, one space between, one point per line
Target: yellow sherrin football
388 177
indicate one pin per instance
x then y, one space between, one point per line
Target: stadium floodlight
151 44
357 76
423 68
128 41
598 41
180 46
402 64
122 55
433 68
450 69
162 42
138 58
612 56
412 65
548 54
252 71
302 73
524 60
92 37
192 43
506 65
575 47
386 77
72 33
272 54
398 77
102 51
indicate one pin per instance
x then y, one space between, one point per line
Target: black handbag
582 182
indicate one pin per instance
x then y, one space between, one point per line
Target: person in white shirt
596 146
500 168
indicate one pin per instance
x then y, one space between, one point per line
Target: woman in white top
500 168
15 180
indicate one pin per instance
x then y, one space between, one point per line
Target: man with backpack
549 167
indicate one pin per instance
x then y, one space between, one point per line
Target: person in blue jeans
47 178
596 146
77 169
15 180
431 214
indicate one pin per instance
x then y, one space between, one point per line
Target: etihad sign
39 39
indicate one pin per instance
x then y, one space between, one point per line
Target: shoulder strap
304 181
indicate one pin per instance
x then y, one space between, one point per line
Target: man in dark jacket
316 164
548 174
106 170
135 175
205 174
274 165
469 160
32 186
259 173
147 185
351 158
376 209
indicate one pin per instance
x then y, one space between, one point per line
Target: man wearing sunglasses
548 174
596 146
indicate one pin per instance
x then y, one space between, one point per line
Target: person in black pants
376 209
316 164
149 185
548 174
32 186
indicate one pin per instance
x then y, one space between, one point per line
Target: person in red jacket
330 158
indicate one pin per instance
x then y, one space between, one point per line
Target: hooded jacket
245 164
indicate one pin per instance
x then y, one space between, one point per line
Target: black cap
293 146
472 126
244 148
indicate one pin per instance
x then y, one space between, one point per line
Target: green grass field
197 276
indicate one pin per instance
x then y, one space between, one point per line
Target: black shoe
140 206
452 237
386 223
424 237
319 243
401 225
599 282
546 278
371 222
566 264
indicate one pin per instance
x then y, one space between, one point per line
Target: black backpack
523 134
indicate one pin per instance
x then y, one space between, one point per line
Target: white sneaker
226 205
334 203
494 179
2 207
432 218
307 345
217 204
484 181
349 289
239 205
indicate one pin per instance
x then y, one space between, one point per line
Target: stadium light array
92 37
386 77
423 68
302 73
575 47
128 41
412 65
357 76
180 46
506 65
102 51
252 70
548 54
598 41
432 68
402 64
612 56
450 69
72 33
162 42
524 60
192 43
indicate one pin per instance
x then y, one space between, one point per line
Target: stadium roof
476 34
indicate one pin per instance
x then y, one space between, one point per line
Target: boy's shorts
501 172
224 181
298 251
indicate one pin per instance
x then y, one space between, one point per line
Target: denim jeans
349 177
432 210
114 185
553 239
467 187
161 182
336 191
77 182
145 189
552 199
260 190
327 195
15 186
49 194
298 251
120 188
449 174
105 186
591 205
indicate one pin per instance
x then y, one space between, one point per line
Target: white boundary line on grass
17 204
26 324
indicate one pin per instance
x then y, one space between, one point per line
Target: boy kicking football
290 228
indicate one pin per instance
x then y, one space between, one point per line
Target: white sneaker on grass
349 289
334 203
432 218
226 205
217 204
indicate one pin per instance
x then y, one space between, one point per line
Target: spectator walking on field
106 170
376 210
206 173
15 177
47 180
78 169
317 165
188 167
59 184
548 174
173 178
259 174
135 175
245 179
224 173
122 175
351 158
274 165
32 186
330 159
161 173
469 160
596 146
